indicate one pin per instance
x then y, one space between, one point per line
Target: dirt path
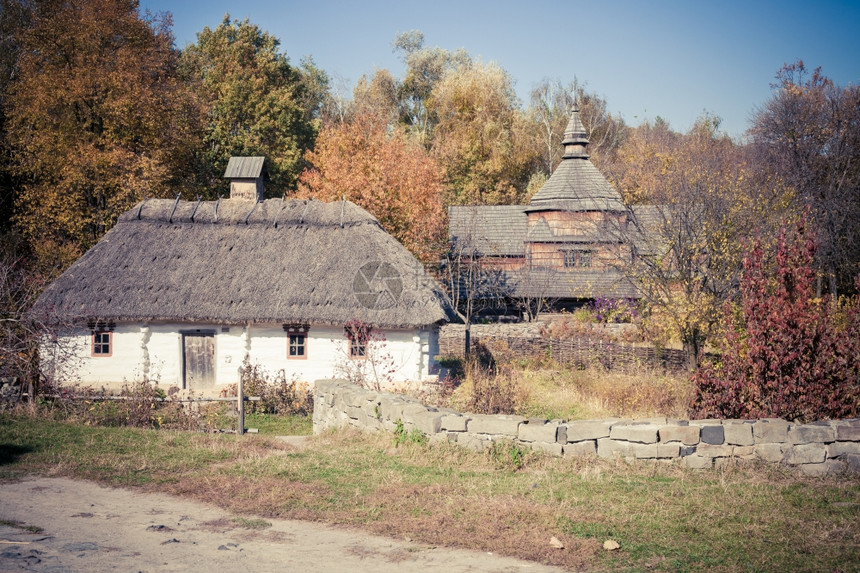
90 528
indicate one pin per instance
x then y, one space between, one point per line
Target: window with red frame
297 341
358 334
102 337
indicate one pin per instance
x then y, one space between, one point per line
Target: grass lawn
665 518
274 425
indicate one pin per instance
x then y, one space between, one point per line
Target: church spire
575 139
576 184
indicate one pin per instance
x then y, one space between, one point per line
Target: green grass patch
21 526
252 523
280 425
664 517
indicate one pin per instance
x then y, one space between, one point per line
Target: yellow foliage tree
706 201
481 138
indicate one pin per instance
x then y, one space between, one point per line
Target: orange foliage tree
97 118
384 172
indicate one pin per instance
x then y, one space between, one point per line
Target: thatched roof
237 262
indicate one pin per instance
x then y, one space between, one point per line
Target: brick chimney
246 176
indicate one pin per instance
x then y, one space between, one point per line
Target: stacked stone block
815 449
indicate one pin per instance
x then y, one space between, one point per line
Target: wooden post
240 407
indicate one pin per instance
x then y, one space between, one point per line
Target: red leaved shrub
787 355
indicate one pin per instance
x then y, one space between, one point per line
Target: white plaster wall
230 349
406 351
154 351
123 365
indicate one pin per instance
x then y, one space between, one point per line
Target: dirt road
86 527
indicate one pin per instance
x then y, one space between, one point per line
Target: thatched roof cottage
180 292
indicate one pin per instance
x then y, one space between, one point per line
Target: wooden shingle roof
578 284
488 230
576 184
245 168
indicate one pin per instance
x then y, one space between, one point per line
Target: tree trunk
692 347
467 337
831 275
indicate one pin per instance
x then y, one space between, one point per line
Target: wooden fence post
240 407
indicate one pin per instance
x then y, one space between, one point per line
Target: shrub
375 368
413 436
614 310
277 394
140 404
787 354
499 393
507 455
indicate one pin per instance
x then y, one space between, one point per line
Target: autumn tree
384 172
425 67
465 112
687 243
808 133
14 17
377 96
642 160
481 137
256 102
97 118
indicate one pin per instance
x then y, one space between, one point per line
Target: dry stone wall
815 449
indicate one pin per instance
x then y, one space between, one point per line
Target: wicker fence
579 352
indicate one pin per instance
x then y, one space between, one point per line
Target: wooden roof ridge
245 167
275 212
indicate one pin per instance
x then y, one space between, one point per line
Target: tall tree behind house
256 102
97 118
808 134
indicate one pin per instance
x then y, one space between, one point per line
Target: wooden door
198 361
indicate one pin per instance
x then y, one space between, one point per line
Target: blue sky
673 59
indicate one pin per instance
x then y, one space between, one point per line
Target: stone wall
815 449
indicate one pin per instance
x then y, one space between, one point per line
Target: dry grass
598 393
541 388
665 518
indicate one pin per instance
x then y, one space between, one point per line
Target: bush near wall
787 354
